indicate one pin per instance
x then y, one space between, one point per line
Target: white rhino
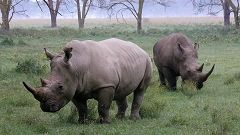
106 70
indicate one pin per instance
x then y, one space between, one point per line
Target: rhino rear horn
29 88
49 55
44 82
204 77
200 68
68 55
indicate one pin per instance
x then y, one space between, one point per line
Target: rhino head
53 94
190 70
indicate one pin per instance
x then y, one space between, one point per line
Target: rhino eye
60 87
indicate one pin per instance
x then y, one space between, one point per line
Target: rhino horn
204 77
49 55
200 68
29 88
44 82
68 55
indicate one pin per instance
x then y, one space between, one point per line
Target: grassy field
212 110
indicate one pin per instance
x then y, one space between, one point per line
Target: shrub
178 121
7 42
21 42
152 109
232 79
189 89
30 66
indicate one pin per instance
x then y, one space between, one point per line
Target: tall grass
212 110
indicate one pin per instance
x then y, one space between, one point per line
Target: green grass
212 110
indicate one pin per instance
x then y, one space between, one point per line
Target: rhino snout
199 86
49 108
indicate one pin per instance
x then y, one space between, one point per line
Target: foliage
30 66
7 42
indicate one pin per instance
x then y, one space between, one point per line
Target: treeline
9 8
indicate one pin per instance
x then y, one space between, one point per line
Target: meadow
212 110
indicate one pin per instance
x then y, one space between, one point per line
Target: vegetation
212 110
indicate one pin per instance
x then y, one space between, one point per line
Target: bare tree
226 14
53 6
235 9
8 9
214 7
83 8
135 7
129 5
86 5
82 12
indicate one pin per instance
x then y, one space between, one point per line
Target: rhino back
109 63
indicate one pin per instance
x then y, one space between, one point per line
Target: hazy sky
177 8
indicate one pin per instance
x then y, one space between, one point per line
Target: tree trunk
81 18
236 19
5 9
235 11
139 26
139 15
226 14
5 22
53 12
53 19
81 23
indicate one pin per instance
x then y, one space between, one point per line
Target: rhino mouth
50 108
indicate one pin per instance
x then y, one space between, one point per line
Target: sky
177 8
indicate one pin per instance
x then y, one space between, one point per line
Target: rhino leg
104 98
161 77
82 110
170 77
122 106
138 94
137 101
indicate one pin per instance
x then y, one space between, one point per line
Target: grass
212 110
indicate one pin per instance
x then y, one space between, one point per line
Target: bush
21 42
30 66
232 79
7 42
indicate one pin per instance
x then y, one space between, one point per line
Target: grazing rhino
106 70
175 55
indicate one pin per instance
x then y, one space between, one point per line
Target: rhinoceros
105 71
176 55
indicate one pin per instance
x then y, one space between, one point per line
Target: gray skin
176 55
107 70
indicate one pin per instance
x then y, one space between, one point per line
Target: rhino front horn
29 88
200 68
204 77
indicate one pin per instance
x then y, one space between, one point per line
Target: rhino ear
196 46
68 55
49 55
180 47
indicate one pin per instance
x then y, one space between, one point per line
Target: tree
213 8
53 6
135 7
235 9
86 5
82 12
8 9
83 8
